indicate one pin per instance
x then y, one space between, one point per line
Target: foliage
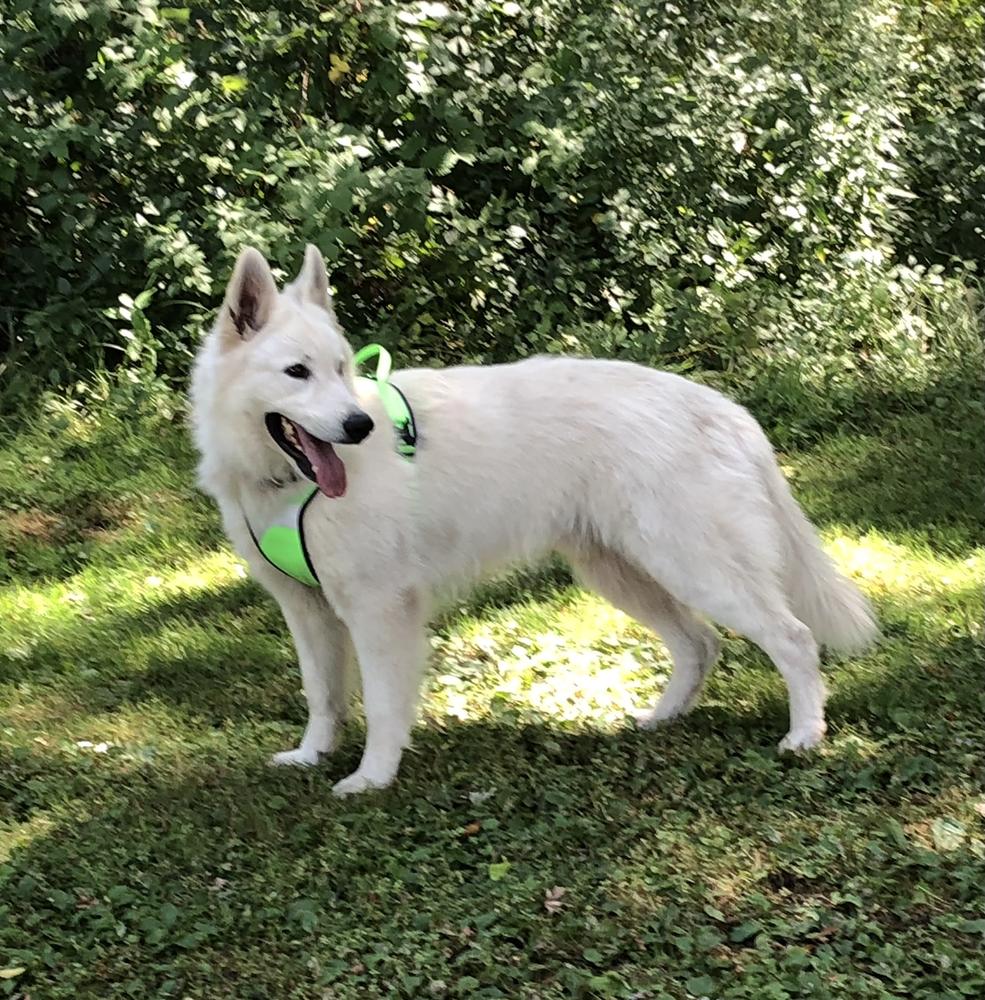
704 186
944 131
535 846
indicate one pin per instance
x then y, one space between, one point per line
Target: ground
535 844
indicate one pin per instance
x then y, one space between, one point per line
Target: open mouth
315 458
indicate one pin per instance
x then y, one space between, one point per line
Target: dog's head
293 368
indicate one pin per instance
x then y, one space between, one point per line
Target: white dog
664 495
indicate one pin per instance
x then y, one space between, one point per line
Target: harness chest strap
282 542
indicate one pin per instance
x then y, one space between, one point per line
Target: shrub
714 188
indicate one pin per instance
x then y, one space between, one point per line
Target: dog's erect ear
311 284
250 297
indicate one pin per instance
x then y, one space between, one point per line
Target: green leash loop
383 366
396 406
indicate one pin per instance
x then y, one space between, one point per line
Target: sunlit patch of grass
574 661
20 835
573 658
901 571
125 732
30 611
570 657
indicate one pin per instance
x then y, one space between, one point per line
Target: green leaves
736 207
700 986
304 912
499 870
745 931
233 84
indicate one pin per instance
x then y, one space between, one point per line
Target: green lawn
535 845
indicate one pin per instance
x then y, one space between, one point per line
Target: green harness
282 543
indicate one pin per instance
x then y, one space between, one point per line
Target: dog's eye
298 371
340 369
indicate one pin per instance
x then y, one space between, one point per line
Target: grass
535 846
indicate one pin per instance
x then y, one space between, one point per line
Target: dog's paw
807 738
657 715
301 757
356 783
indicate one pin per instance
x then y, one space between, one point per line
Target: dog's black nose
357 425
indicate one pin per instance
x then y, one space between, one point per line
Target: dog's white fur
664 495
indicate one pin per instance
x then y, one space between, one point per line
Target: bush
943 146
713 188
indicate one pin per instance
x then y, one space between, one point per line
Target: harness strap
394 401
283 544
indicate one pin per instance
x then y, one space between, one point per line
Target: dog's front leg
322 644
390 643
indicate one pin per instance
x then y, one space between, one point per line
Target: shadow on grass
243 851
920 475
919 703
638 826
920 686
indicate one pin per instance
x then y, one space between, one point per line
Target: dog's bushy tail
828 603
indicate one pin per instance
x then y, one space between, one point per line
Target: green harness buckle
282 543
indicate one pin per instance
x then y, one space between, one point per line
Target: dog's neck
242 470
288 478
266 472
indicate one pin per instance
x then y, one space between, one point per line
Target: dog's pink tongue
328 467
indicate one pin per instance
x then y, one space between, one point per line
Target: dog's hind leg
390 640
741 592
693 645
